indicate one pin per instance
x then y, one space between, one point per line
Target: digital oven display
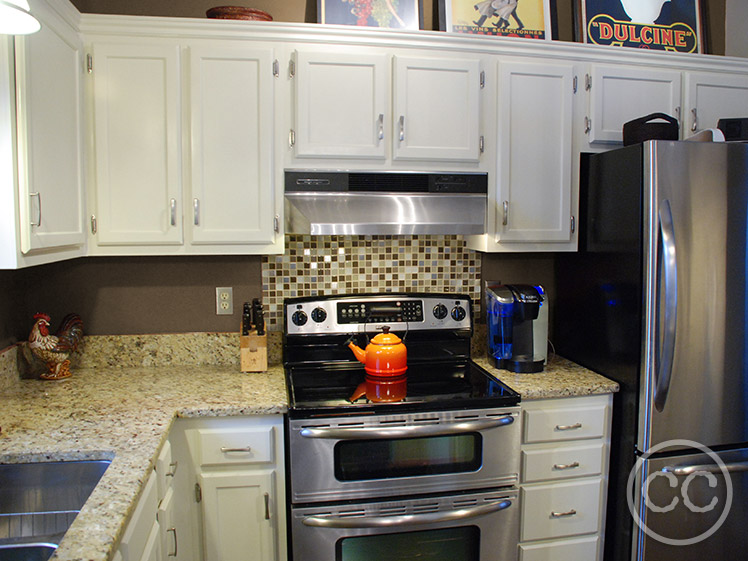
387 311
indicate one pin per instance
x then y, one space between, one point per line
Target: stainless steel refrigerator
656 299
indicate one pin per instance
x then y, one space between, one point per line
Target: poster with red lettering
662 25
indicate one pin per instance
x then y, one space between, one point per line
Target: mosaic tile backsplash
323 265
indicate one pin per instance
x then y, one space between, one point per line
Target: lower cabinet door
579 549
238 516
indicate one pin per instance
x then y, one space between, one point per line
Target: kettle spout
358 351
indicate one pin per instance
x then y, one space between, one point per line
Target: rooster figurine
54 350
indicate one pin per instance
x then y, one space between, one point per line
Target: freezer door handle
708 468
669 271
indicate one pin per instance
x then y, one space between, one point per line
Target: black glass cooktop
322 391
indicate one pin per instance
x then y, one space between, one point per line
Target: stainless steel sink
38 503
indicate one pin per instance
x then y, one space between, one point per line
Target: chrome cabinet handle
505 218
173 206
664 366
695 123
39 207
172 469
587 125
174 532
569 427
571 512
402 127
196 211
267 506
394 521
245 450
566 466
380 127
734 467
410 431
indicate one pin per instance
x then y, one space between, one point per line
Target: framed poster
392 14
663 25
508 18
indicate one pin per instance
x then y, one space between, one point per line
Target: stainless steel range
431 476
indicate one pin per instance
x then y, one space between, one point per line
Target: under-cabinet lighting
16 18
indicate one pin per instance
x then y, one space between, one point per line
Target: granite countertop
124 414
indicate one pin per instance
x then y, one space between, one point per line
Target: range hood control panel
347 315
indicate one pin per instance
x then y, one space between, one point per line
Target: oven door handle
356 433
410 519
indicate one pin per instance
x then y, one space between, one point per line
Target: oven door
467 527
389 455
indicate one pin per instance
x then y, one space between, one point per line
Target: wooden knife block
253 352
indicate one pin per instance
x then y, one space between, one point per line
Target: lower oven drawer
390 455
468 527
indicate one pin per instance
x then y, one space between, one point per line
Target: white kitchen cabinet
379 106
563 477
534 147
231 119
138 161
341 102
618 94
710 96
141 540
236 475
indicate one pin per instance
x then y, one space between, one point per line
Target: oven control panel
364 313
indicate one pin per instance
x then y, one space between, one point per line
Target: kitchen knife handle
669 270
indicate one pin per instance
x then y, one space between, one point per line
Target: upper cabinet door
48 97
341 105
436 112
620 94
534 152
232 141
711 96
137 141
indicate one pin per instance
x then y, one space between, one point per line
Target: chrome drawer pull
230 450
267 506
174 530
571 512
172 469
569 427
394 521
409 431
566 466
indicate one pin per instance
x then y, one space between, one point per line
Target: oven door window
357 460
450 544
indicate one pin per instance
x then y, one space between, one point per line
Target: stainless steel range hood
368 203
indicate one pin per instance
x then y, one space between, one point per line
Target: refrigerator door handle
664 366
708 468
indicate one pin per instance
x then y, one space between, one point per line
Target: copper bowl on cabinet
238 12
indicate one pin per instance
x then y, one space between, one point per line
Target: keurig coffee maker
517 317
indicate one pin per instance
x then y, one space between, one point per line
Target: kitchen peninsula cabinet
183 138
374 107
563 477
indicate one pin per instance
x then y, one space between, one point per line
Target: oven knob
299 318
458 313
319 315
440 311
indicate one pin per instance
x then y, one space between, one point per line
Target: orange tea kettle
385 362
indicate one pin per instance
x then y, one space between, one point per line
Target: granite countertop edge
124 415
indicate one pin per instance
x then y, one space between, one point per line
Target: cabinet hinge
89 63
276 68
94 225
198 493
291 137
587 82
291 68
573 224
276 223
482 144
482 79
575 83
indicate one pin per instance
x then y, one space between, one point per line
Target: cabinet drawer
236 446
578 549
165 470
137 536
560 509
562 462
548 425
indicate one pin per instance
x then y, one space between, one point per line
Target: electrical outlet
224 300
